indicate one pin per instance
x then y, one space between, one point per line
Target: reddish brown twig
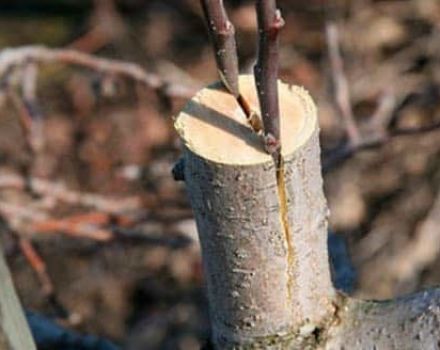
89 225
222 34
266 72
38 265
340 84
84 230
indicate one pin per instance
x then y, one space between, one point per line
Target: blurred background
105 242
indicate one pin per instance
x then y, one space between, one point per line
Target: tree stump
263 230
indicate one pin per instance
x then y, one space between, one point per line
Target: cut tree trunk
263 233
263 236
14 330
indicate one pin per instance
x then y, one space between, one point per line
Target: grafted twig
222 34
266 72
14 57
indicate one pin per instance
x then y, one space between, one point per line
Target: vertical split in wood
265 284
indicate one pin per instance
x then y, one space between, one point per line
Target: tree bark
407 323
263 234
267 279
14 330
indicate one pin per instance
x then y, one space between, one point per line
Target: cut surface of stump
213 125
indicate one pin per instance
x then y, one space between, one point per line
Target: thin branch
71 228
341 90
28 127
337 156
13 57
266 72
38 265
222 34
413 131
380 120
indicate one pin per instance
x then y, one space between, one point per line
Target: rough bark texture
14 330
408 323
267 285
265 256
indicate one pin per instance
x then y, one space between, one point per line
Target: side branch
266 72
410 322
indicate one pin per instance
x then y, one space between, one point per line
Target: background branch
21 56
340 83
380 127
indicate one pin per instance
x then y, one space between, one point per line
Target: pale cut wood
14 330
268 281
214 126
